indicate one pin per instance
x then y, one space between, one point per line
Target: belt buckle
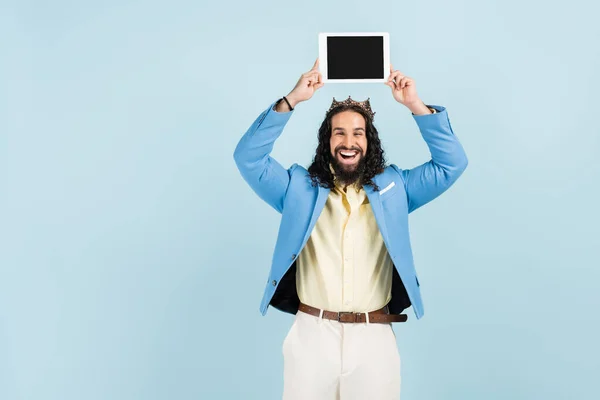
342 313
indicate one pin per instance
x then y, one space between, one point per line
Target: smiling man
343 263
348 144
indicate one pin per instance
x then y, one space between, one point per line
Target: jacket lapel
322 195
375 200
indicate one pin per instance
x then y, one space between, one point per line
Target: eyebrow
340 128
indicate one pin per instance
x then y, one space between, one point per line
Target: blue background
133 255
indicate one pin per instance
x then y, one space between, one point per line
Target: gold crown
365 105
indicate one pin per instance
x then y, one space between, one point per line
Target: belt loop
367 314
320 315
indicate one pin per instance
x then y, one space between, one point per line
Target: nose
348 142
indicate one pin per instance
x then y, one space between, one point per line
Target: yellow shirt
345 265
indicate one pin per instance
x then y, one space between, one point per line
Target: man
343 262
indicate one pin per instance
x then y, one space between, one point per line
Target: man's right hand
307 85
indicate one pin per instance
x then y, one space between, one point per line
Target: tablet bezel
323 56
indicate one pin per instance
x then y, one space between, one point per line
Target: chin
347 167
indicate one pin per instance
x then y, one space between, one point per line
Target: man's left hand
405 92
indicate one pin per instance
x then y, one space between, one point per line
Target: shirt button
293 256
274 283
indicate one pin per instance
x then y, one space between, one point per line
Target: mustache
342 148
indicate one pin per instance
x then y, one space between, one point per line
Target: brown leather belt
380 316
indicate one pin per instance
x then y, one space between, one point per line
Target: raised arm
448 159
263 173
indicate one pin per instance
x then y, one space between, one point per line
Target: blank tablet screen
355 57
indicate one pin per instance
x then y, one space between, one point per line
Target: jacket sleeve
264 174
448 160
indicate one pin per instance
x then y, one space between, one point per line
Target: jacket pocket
387 192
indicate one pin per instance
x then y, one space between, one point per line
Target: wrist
283 106
292 100
418 108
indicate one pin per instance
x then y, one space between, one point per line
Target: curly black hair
374 160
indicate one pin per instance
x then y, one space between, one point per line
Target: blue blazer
290 192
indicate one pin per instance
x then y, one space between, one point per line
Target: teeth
348 153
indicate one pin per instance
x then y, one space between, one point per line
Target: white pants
330 360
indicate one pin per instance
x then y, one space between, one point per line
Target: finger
313 78
400 74
316 66
392 70
396 76
395 73
319 85
405 82
307 76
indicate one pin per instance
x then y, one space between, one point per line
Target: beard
349 174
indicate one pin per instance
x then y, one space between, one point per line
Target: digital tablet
354 57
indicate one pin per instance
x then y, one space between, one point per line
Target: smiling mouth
348 155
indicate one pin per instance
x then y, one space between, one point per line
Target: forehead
348 119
